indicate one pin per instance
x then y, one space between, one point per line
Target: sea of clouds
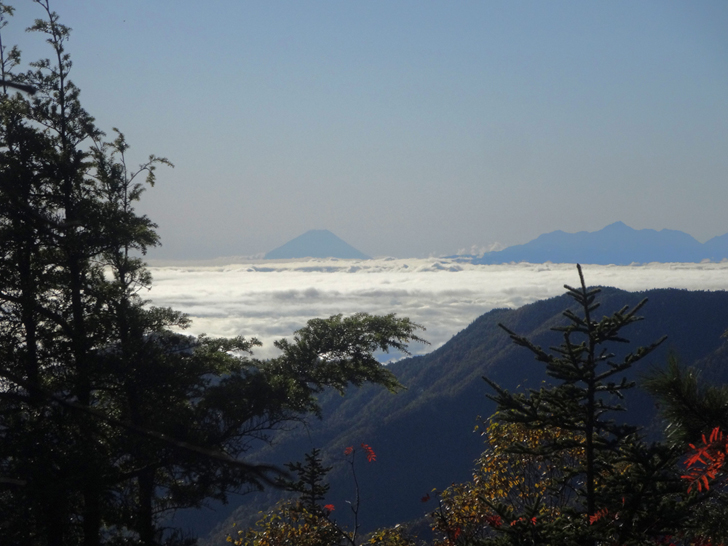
270 299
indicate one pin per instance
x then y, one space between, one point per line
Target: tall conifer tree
109 417
617 473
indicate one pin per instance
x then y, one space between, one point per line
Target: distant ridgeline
616 244
317 243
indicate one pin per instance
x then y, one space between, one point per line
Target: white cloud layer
271 299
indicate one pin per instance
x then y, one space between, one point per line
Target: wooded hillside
424 436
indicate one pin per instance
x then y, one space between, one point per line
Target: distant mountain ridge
316 243
616 244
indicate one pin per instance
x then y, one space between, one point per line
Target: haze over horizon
627 245
408 128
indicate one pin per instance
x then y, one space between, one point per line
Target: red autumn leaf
716 435
349 450
597 516
329 507
371 456
706 461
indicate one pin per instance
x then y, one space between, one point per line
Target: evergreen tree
689 406
617 473
692 409
310 483
109 417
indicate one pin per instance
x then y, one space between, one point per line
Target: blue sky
408 128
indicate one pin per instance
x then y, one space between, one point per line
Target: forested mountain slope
424 435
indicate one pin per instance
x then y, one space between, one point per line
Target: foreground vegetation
558 468
109 417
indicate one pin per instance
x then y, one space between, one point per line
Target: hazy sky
408 128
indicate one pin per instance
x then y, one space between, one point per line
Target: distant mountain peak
618 225
616 243
316 243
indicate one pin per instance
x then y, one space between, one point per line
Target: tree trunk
145 514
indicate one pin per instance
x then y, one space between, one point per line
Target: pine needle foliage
691 407
311 483
589 387
695 409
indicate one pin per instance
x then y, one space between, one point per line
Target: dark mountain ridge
424 436
616 244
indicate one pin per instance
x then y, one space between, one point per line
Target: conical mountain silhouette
317 243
